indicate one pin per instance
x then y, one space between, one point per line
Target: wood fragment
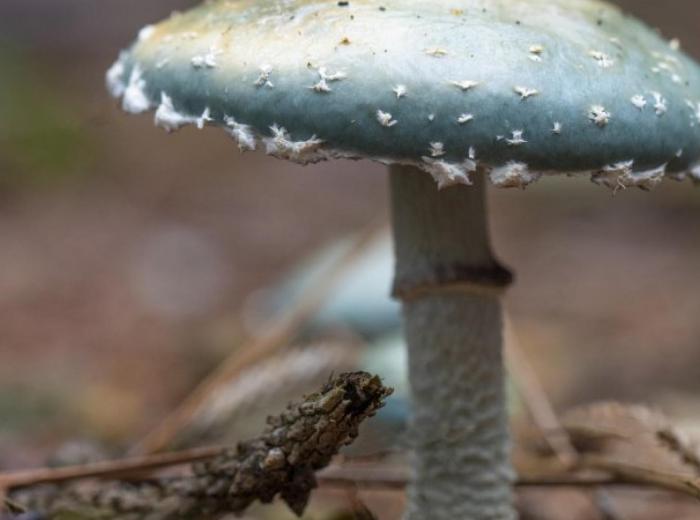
281 462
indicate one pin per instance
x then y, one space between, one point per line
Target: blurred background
130 259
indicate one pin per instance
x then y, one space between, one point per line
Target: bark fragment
281 462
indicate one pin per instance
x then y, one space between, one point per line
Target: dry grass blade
360 510
605 504
635 435
275 335
106 469
678 443
544 416
536 400
365 476
593 472
633 474
635 445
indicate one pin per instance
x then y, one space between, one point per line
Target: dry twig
282 461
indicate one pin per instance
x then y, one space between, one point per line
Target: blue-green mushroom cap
514 89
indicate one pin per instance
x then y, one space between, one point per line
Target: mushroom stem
450 285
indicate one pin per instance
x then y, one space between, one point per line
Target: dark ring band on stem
491 279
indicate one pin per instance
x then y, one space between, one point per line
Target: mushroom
310 81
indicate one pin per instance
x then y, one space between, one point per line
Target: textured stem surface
448 279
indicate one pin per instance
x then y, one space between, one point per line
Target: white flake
385 119
328 76
517 138
649 179
695 174
400 91
536 52
513 175
465 118
264 78
167 117
472 153
525 92
639 101
695 107
170 119
243 134
675 44
135 99
603 59
436 52
670 65
146 33
599 115
448 174
325 78
115 77
614 176
208 60
321 86
205 118
465 84
621 176
557 128
660 104
669 59
437 149
431 117
303 152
